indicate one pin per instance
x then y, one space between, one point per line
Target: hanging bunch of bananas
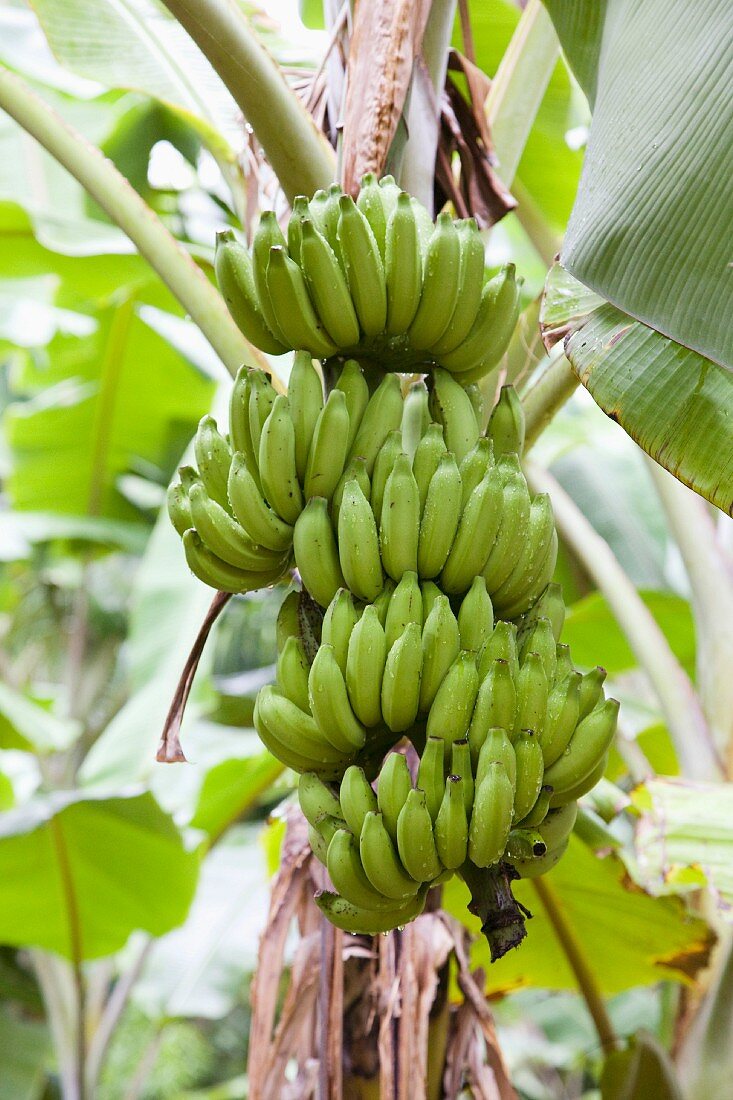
375 278
359 489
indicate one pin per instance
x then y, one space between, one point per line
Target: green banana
329 703
213 458
430 594
563 715
267 235
277 462
405 607
381 862
292 674
343 864
591 690
356 798
451 406
179 508
532 695
440 517
388 452
298 215
540 639
440 647
431 774
582 786
590 742
338 623
491 817
496 704
474 467
491 331
316 798
355 471
293 737
305 394
539 578
478 404
401 681
317 210
506 423
383 415
393 786
331 219
515 505
550 606
450 714
540 533
235 277
403 267
460 764
451 825
415 839
251 510
381 604
288 619
329 447
321 833
368 922
356 391
558 825
530 771
239 433
400 520
471 285
539 811
369 201
533 868
297 319
415 419
440 285
476 617
500 645
225 538
262 396
367 654
496 746
219 574
477 530
428 454
328 288
358 544
364 267
316 552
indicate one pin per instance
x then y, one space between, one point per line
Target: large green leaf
627 937
648 229
231 788
26 725
81 872
685 837
674 402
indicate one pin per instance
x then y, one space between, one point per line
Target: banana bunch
375 278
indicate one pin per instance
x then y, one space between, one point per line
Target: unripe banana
491 817
213 458
388 452
533 868
451 825
475 536
430 594
316 798
317 210
564 663
491 331
294 737
532 695
403 267
356 798
390 194
267 235
328 288
415 840
450 714
298 215
393 786
239 433
381 604
524 844
383 415
563 715
530 770
550 606
558 825
343 863
431 774
179 508
496 746
401 682
591 690
364 267
405 607
292 674
355 471
506 424
367 922
460 764
428 454
500 645
325 827
369 202
540 533
262 396
330 704
451 407
356 391
440 517
328 450
331 215
415 419
515 506
441 285
298 321
471 285
540 639
288 619
225 538
305 394
539 578
316 552
277 462
252 511
235 277
367 654
440 647
476 617
358 544
400 520
496 704
381 862
338 623
582 787
474 467
539 811
589 743
476 397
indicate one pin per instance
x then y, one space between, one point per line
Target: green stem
679 703
299 154
578 963
547 395
519 85
121 202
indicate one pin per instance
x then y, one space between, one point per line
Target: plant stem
300 156
519 85
679 703
99 177
554 387
578 963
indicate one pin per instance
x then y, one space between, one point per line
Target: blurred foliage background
154 880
